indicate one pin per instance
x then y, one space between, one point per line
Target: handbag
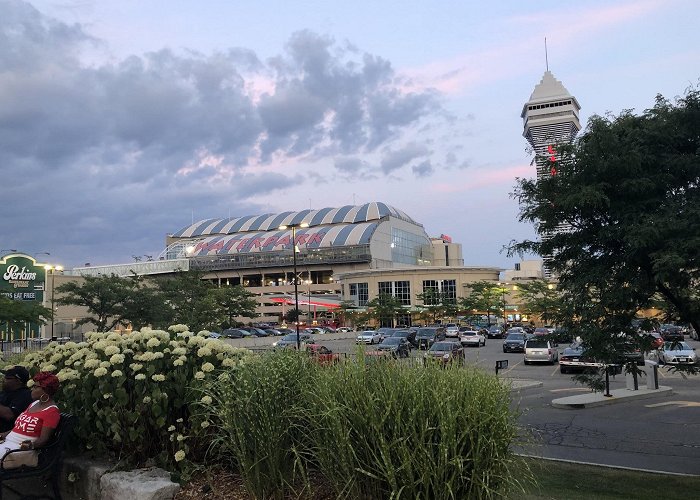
18 458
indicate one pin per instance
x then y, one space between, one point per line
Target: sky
123 121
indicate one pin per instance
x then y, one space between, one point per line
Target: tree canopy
628 192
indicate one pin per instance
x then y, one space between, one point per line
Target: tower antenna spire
546 56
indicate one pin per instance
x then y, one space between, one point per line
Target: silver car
369 337
677 353
540 351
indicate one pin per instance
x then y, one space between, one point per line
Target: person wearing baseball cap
15 397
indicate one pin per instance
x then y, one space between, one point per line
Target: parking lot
661 434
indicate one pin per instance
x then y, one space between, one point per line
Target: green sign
21 278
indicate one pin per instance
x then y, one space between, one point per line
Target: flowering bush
135 394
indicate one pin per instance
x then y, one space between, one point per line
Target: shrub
133 393
378 430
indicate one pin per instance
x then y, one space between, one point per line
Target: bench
50 460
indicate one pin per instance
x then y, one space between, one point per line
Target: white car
369 337
539 350
677 353
451 330
344 329
472 337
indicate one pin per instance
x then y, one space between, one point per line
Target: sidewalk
592 399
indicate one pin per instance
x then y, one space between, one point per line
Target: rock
139 484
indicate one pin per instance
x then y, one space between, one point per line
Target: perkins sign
21 278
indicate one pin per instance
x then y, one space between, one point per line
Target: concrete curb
618 396
619 467
518 384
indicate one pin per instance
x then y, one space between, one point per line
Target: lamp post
296 277
503 301
52 271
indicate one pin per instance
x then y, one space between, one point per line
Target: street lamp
296 277
503 301
52 271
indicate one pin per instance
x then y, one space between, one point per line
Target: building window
385 287
445 291
402 291
517 266
362 294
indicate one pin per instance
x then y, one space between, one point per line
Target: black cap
18 372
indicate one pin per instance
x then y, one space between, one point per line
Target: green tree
384 308
15 313
105 297
628 192
188 300
484 297
434 301
539 297
232 302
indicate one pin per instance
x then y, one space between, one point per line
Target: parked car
451 330
322 354
257 332
286 331
514 342
472 337
677 353
290 340
369 337
671 333
540 350
385 332
655 340
495 332
273 331
235 333
446 352
344 329
426 336
541 331
409 334
574 359
396 346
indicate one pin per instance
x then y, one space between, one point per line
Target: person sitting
35 425
15 397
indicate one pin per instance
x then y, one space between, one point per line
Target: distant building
550 117
525 270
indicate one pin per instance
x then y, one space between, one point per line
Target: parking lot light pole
503 300
52 271
296 277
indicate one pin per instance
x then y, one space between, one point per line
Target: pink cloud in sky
468 70
478 179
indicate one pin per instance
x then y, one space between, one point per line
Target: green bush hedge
381 430
136 394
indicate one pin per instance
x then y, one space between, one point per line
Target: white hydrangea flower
179 351
107 395
48 367
140 376
117 373
116 359
158 355
228 362
199 375
153 342
207 367
203 352
100 372
178 328
179 456
179 421
205 424
171 428
105 364
180 437
135 366
158 377
178 362
206 400
146 399
111 349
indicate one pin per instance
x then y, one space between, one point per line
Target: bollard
632 381
651 368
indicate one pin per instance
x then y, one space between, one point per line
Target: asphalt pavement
661 434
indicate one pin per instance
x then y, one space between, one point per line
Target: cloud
98 149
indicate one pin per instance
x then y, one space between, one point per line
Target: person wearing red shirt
35 425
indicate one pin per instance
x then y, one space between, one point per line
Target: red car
322 355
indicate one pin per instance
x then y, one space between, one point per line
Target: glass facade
444 289
410 248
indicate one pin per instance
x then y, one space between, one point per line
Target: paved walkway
591 399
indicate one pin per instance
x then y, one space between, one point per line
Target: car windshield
391 341
470 332
443 346
515 336
368 333
676 346
401 333
538 344
290 336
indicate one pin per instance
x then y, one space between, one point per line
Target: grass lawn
557 480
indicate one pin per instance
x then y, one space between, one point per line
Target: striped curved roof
272 241
348 214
